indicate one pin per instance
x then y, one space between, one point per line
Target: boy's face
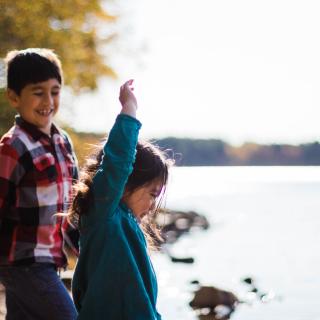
38 103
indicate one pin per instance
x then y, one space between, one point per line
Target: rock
183 260
209 297
210 317
255 294
165 249
175 223
248 280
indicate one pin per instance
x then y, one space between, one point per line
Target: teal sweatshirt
114 278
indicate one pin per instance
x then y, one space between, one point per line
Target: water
264 224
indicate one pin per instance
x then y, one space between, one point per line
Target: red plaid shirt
36 176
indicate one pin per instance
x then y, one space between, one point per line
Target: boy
37 168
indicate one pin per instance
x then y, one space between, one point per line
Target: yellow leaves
6 113
70 27
84 143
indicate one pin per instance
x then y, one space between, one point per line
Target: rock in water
182 260
173 224
207 297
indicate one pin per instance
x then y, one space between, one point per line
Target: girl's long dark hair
151 164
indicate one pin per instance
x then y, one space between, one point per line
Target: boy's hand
128 99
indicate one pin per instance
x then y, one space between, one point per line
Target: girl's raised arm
119 154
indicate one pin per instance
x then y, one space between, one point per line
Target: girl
114 278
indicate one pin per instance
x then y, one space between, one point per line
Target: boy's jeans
36 292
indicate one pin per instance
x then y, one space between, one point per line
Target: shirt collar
33 130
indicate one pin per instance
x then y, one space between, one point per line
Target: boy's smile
38 103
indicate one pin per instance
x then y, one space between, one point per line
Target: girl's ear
13 98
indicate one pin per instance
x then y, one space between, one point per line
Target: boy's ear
13 98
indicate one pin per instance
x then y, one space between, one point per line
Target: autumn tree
76 29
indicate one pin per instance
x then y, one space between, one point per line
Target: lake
264 224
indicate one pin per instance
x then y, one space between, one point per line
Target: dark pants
36 292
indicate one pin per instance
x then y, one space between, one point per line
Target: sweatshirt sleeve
116 165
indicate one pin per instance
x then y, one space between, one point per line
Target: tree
71 27
6 114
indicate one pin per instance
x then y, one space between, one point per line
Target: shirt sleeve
10 174
70 148
71 234
116 165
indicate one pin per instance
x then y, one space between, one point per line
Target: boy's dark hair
31 66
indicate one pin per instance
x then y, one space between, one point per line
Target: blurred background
232 88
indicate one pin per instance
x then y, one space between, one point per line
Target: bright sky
239 70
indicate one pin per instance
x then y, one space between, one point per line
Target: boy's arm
10 175
119 154
70 148
71 233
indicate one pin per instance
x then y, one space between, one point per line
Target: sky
236 70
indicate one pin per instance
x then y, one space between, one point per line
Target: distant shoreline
214 152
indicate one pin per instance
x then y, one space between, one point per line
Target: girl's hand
128 99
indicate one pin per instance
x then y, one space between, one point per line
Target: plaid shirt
36 175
